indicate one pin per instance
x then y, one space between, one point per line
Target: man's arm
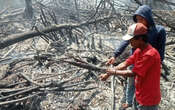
118 51
122 66
113 71
118 70
126 73
121 48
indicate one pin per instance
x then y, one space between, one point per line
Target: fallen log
19 100
15 38
87 66
82 64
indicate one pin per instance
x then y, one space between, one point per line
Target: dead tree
28 9
78 13
12 39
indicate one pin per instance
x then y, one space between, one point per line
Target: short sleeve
131 59
142 65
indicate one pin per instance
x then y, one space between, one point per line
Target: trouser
137 106
130 90
124 91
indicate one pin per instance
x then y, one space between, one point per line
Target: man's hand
109 72
111 61
104 77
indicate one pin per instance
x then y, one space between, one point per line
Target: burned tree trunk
15 38
76 6
28 9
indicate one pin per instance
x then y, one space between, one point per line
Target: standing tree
28 9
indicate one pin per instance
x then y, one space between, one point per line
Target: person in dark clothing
156 37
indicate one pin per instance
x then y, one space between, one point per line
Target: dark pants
137 106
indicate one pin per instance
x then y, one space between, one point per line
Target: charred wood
12 39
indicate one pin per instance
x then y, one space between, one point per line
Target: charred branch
15 38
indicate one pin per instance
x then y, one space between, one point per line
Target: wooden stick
18 100
113 92
10 51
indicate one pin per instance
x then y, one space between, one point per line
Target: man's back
157 38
